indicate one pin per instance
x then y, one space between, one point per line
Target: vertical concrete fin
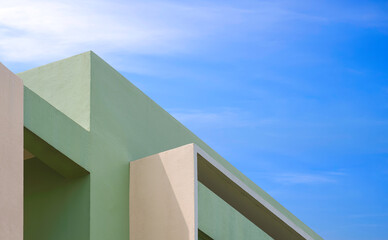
11 155
163 193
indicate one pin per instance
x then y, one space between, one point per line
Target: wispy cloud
300 178
369 215
41 30
34 30
306 178
219 118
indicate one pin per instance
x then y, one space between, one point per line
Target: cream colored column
163 196
11 155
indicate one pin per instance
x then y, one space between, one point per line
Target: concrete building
102 161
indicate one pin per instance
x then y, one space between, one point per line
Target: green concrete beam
221 221
51 156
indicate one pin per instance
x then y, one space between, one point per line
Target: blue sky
293 93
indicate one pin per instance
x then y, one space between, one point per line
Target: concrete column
11 155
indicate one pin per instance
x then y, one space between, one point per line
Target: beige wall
11 155
163 196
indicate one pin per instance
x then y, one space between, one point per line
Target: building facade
84 154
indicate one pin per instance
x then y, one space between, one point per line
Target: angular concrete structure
103 161
188 173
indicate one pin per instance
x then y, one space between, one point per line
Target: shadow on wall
166 206
54 207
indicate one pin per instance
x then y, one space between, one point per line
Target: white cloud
34 30
42 30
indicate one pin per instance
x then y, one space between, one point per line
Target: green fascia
93 115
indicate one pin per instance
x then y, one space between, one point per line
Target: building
102 161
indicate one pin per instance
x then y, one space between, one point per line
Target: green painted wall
54 207
124 125
65 85
219 220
